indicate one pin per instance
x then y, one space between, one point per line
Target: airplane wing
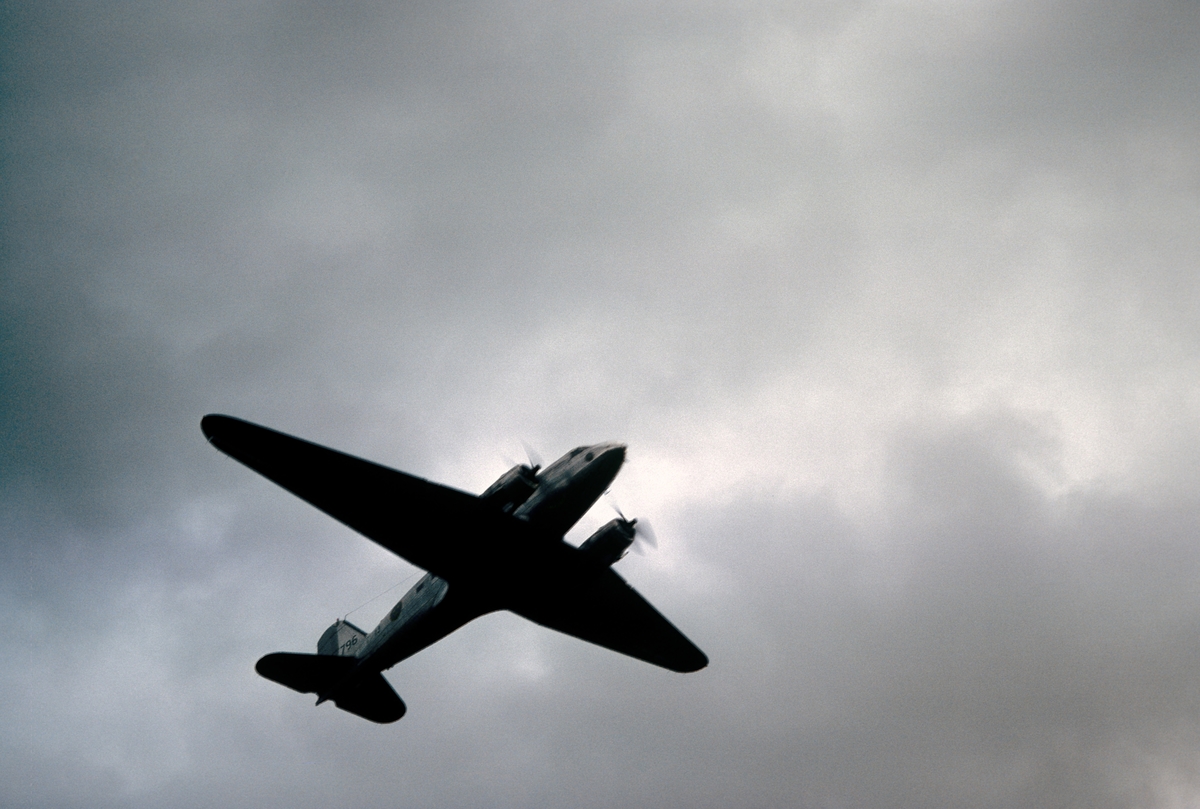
435 527
603 609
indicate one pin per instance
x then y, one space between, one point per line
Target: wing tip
211 424
695 662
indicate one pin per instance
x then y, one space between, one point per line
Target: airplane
501 550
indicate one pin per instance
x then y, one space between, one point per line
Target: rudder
343 638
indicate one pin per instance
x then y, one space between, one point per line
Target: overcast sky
895 303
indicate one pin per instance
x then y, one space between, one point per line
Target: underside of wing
432 526
603 609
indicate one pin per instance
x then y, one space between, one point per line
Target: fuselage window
590 456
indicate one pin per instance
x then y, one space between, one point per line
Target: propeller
535 460
643 534
534 464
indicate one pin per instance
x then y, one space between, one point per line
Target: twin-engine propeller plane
501 550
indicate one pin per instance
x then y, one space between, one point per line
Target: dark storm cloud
894 303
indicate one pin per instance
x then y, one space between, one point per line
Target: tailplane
333 677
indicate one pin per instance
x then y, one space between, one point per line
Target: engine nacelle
610 543
512 489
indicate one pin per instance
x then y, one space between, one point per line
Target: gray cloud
895 304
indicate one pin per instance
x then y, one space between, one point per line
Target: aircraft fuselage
431 609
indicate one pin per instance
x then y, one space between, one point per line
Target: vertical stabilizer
343 639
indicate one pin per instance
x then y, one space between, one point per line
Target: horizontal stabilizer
371 698
330 677
308 674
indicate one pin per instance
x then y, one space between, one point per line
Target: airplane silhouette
500 550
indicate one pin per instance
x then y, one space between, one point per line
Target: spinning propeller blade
535 460
643 534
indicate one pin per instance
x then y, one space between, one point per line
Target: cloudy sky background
896 304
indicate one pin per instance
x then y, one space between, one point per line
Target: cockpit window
576 451
590 456
396 609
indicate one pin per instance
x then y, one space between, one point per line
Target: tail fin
332 677
343 638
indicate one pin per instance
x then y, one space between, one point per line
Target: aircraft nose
611 456
612 449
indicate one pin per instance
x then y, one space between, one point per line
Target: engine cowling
609 544
512 488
